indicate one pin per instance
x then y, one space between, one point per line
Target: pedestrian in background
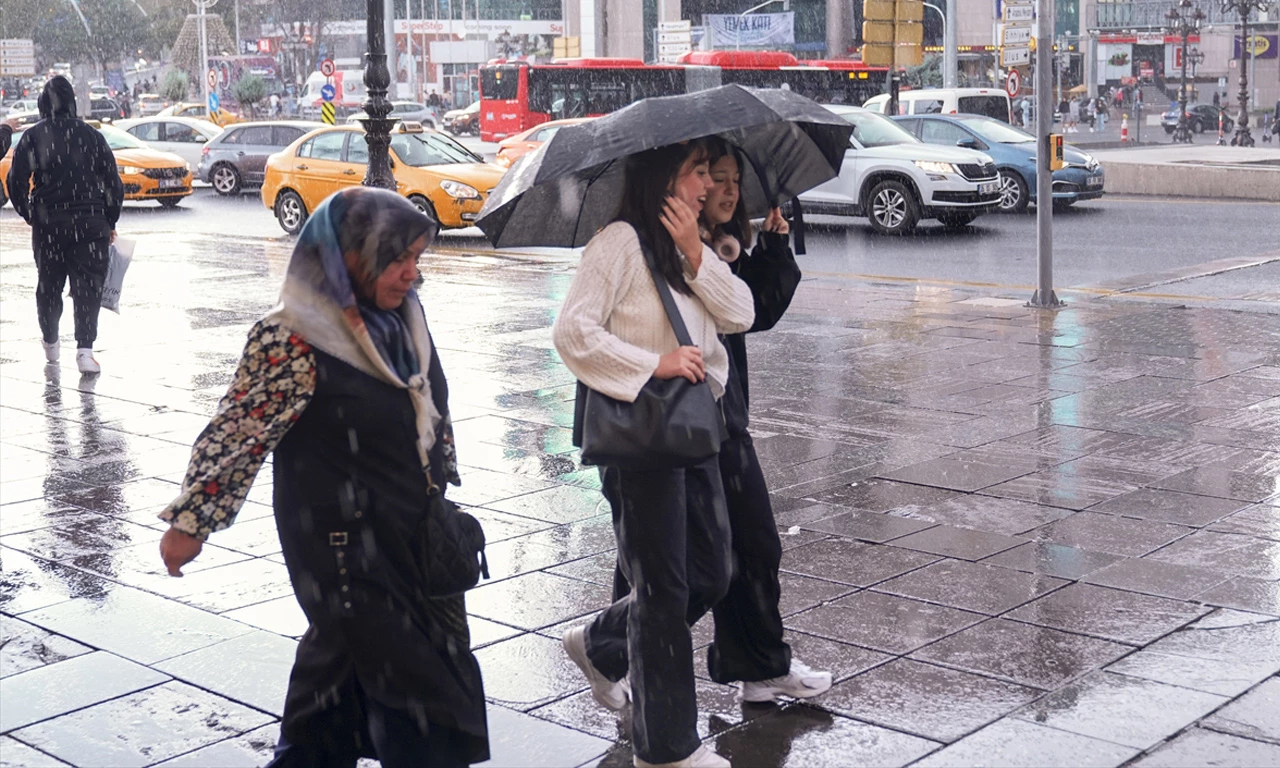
1026 113
1073 115
342 382
671 525
63 181
1100 115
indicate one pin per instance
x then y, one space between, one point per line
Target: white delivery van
989 102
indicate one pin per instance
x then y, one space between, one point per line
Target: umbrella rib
577 224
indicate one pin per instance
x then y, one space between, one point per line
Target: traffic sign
17 58
327 92
328 113
214 102
1015 57
1012 35
1017 13
676 26
212 78
327 68
1013 83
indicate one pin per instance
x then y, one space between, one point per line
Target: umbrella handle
797 225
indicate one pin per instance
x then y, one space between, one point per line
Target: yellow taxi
147 174
218 116
436 173
512 149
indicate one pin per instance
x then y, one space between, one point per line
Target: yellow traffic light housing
1056 160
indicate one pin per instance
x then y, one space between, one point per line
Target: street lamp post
377 78
1184 21
1244 7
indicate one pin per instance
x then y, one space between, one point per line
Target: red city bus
515 96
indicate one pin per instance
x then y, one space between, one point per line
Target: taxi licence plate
989 188
170 183
1093 181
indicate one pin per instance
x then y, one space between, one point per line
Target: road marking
1184 200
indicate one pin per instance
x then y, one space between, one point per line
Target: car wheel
957 220
226 179
291 212
1014 193
1168 129
169 202
892 208
424 205
1197 126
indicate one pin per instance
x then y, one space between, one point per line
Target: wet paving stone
925 700
249 750
1260 520
1245 594
1227 636
81 681
874 527
1056 489
971 586
283 616
1256 715
883 622
1012 743
1109 534
1226 553
799 736
28 583
1112 614
884 495
144 727
852 563
1169 507
1204 747
1221 482
91 535
1153 577
1022 653
1121 709
15 754
537 600
987 513
960 474
25 646
252 669
523 741
1055 560
39 513
528 671
1224 678
961 543
561 504
226 587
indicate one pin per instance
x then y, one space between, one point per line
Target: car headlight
933 166
460 191
128 170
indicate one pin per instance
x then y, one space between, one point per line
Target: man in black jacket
64 182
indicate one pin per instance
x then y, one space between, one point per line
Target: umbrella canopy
565 191
1078 90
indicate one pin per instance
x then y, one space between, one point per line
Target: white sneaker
701 758
85 361
800 682
608 694
51 351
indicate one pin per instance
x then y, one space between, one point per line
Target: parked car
219 116
24 118
149 104
105 110
992 102
183 136
237 157
404 110
462 121
512 149
1200 118
1014 152
147 174
434 171
895 180
99 91
20 106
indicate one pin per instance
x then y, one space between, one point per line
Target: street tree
249 91
117 29
174 86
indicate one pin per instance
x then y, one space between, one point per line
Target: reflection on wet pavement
1014 538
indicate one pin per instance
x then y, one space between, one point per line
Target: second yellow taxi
434 172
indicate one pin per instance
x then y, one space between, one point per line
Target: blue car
1014 151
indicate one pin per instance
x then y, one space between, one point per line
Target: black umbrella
565 191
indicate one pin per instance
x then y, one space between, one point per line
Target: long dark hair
740 225
649 177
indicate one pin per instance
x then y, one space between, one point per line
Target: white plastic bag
121 255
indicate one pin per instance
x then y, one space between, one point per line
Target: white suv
895 180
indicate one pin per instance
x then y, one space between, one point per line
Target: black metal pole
1183 132
377 79
1243 138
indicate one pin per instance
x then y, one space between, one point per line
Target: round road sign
327 68
212 77
327 92
1013 83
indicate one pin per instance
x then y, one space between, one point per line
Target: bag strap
668 303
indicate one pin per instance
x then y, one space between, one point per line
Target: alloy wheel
1010 192
225 180
889 208
291 213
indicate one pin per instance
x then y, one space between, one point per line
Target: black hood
58 98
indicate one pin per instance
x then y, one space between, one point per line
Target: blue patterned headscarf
380 226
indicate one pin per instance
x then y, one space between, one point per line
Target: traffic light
892 33
1056 160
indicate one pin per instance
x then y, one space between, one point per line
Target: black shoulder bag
453 549
672 423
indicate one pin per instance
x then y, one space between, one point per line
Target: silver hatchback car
237 157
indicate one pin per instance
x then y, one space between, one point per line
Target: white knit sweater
612 328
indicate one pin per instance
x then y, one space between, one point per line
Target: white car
409 111
895 180
183 136
22 105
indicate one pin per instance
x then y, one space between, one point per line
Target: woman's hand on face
685 361
177 549
682 224
775 223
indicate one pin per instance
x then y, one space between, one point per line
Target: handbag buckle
338 539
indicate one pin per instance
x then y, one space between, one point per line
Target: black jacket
73 168
6 138
771 272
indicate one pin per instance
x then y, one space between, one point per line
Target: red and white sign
327 68
1013 83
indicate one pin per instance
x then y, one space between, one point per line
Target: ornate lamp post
1184 21
1244 7
377 79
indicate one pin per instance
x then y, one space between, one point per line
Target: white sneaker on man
85 361
608 694
800 682
701 758
51 351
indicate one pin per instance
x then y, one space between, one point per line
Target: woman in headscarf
341 381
